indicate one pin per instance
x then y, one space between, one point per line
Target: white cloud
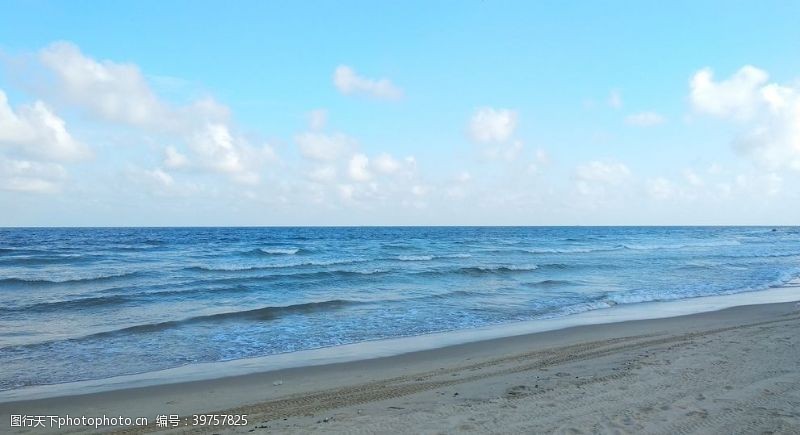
160 177
317 119
174 158
645 119
36 132
115 91
603 172
692 178
541 159
508 152
386 164
319 146
31 177
216 148
161 183
358 168
714 169
323 174
596 178
769 184
214 145
769 112
615 99
738 96
346 192
489 125
660 188
348 82
120 93
419 190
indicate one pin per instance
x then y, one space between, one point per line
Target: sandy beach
728 371
439 217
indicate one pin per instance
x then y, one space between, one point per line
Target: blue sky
395 113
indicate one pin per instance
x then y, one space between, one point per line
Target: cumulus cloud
769 113
160 182
339 173
738 96
508 152
119 92
116 91
490 125
174 158
541 159
358 168
323 174
214 144
660 188
645 119
30 176
615 99
320 146
387 164
35 131
603 172
693 178
348 82
596 177
160 177
769 184
317 119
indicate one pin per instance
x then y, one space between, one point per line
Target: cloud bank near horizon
194 154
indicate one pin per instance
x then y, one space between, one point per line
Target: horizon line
398 226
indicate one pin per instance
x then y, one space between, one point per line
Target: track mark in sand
731 419
312 403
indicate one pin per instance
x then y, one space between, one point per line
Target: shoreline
264 394
396 346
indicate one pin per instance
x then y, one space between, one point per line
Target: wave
760 255
80 303
550 283
401 246
708 265
415 257
630 297
274 251
478 270
297 277
255 315
571 250
258 314
491 270
709 244
630 246
44 281
430 257
33 260
137 246
205 268
24 251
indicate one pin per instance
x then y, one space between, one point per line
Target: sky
203 113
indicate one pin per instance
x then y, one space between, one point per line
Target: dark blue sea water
80 304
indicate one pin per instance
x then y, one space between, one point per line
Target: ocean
93 303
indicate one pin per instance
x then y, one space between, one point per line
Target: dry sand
731 371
